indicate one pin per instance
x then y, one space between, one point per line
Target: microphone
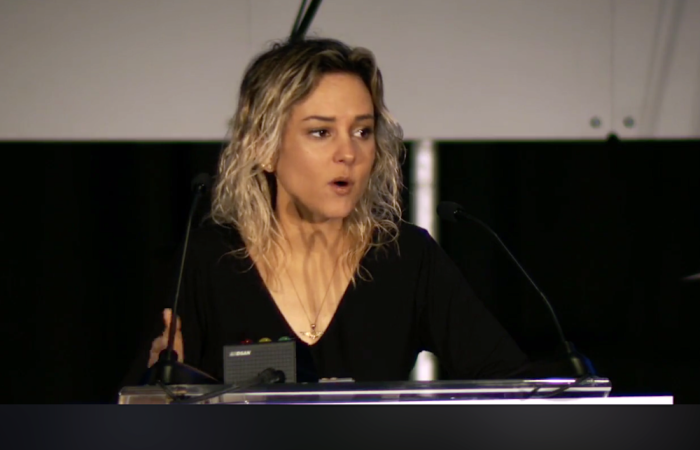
201 183
568 360
695 277
267 376
302 23
168 370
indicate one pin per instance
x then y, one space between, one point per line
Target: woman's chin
334 214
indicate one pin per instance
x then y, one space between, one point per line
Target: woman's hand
161 342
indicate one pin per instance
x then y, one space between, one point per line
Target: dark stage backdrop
607 229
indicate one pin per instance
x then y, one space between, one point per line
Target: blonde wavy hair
244 194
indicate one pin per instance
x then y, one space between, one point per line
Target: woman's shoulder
413 237
411 244
210 239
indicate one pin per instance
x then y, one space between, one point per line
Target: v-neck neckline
281 315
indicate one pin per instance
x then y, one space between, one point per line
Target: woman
306 240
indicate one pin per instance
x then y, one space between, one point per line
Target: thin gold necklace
314 334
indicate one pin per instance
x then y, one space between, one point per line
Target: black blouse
416 300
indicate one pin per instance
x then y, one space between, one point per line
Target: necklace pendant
313 334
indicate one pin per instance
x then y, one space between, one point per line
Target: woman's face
328 149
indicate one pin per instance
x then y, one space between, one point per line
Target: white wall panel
656 71
474 69
469 69
127 69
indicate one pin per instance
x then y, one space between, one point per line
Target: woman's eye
365 133
319 133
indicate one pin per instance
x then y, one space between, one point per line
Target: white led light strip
423 195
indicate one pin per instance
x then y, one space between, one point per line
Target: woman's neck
305 238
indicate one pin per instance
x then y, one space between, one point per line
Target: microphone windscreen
447 210
271 375
202 179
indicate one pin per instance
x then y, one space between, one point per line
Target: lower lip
341 190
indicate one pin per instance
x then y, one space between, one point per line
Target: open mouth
341 185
